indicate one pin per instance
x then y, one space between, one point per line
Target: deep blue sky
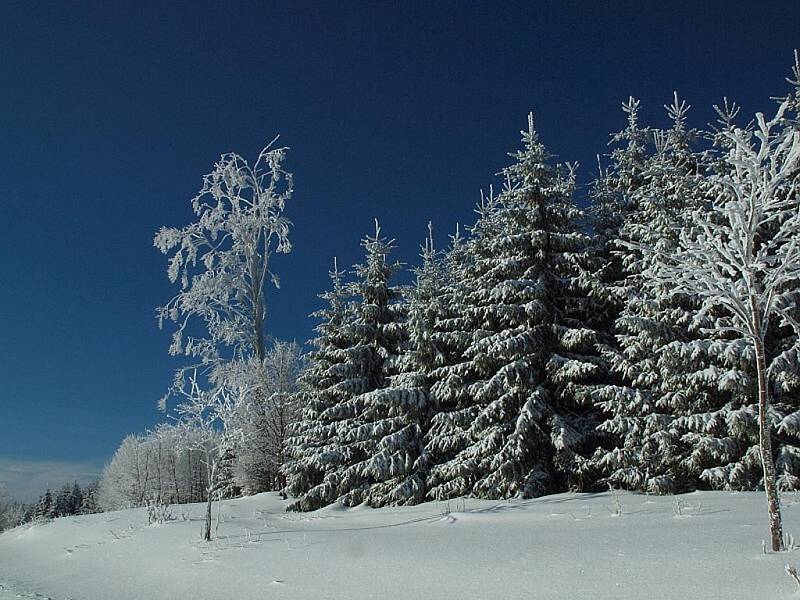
112 112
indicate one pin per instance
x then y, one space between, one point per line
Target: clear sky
113 111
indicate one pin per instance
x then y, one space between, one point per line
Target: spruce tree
45 507
656 182
680 396
450 436
532 355
371 427
311 445
453 408
89 504
726 439
363 428
401 461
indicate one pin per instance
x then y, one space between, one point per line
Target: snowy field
564 546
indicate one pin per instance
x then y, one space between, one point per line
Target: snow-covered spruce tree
708 378
532 357
68 500
611 205
5 510
12 513
743 256
44 509
655 182
399 465
455 329
310 444
89 504
360 426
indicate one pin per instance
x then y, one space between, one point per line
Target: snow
9 592
560 546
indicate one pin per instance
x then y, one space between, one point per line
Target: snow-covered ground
9 591
564 546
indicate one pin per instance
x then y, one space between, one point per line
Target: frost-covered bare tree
742 256
267 414
158 465
221 261
210 418
125 479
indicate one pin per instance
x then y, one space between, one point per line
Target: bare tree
222 260
742 256
274 405
210 417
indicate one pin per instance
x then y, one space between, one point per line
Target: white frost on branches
210 416
744 254
222 260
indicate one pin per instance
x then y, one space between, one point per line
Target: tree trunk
765 446
207 528
211 471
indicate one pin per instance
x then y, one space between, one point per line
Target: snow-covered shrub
158 511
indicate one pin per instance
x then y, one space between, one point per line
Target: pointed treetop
455 238
795 70
677 111
486 200
336 275
601 172
572 169
727 113
795 82
631 107
428 253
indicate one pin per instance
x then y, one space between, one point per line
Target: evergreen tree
89 504
45 507
362 432
311 443
656 181
65 501
76 498
400 464
370 430
533 353
726 440
680 395
454 331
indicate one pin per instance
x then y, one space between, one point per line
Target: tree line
641 335
70 499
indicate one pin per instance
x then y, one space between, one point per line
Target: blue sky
112 112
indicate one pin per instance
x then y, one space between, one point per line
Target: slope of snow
565 546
